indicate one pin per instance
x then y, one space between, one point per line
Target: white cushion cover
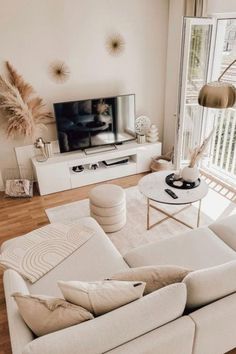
114 227
210 284
110 220
196 249
101 211
116 327
107 195
101 296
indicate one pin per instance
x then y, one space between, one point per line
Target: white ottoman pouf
108 206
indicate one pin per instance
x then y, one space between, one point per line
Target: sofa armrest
225 229
116 327
20 334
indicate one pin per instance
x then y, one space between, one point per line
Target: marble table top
153 187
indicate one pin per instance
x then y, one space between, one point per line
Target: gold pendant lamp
218 94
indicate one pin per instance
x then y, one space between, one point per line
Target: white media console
56 174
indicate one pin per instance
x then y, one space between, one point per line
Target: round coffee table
153 186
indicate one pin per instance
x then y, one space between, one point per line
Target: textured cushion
45 314
100 211
114 227
196 249
155 277
226 230
101 296
207 285
107 195
116 327
110 220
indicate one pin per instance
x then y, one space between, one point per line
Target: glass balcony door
196 49
222 154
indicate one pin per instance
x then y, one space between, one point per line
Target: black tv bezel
94 146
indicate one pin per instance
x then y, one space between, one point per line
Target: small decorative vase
190 174
152 135
141 139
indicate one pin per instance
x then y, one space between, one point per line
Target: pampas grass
198 152
23 109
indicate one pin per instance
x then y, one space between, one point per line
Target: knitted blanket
36 253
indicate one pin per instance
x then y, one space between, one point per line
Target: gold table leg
170 216
199 213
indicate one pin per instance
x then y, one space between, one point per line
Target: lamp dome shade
217 94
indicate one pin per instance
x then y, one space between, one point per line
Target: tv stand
56 174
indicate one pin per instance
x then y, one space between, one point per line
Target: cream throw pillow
100 297
44 314
155 277
210 284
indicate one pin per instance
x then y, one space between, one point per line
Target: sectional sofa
157 323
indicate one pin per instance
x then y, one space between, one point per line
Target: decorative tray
180 183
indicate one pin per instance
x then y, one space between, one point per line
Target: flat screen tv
95 122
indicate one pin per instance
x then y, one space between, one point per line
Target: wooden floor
19 216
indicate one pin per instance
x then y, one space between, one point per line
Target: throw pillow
44 314
100 297
155 277
207 285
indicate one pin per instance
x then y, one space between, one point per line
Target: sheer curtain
195 8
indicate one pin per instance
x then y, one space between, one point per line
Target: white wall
33 33
176 12
221 6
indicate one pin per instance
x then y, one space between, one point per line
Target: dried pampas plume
23 109
198 152
115 44
59 71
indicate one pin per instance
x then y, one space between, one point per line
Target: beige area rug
134 233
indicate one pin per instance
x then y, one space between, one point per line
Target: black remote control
171 193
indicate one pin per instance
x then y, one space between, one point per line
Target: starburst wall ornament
59 71
115 44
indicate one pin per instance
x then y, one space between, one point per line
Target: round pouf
108 206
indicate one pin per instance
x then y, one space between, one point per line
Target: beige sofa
155 323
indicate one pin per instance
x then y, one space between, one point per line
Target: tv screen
95 122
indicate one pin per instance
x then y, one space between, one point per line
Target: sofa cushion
116 327
175 337
96 259
196 249
44 314
155 277
210 284
225 229
101 296
215 329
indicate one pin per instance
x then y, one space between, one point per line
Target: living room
118 176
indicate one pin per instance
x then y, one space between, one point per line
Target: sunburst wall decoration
115 44
59 71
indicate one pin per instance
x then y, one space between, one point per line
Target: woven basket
161 163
